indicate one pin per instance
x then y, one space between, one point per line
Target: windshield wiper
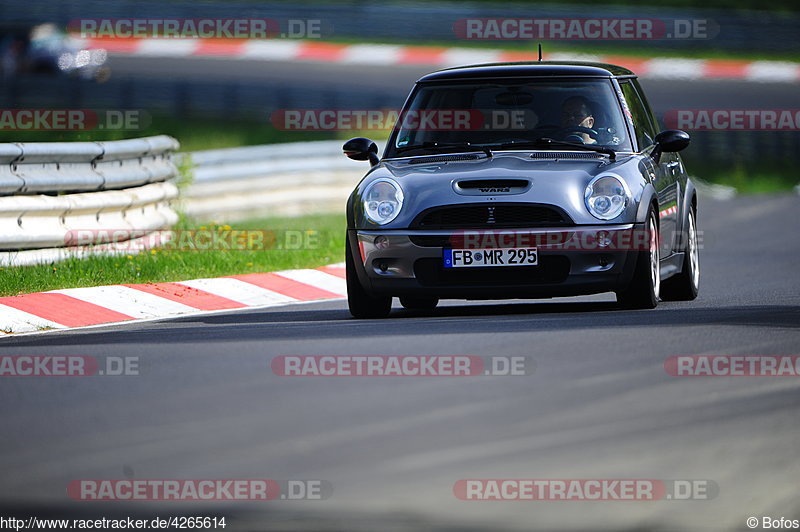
546 141
433 145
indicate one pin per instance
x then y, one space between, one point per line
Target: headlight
98 56
82 58
606 197
65 61
382 201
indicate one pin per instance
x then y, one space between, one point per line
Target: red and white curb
668 211
81 307
387 54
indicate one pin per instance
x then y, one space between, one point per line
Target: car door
677 170
676 174
665 172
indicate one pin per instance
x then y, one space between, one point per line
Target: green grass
325 239
749 182
196 133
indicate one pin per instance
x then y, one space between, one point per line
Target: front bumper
572 261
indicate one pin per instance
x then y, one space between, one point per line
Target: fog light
383 266
381 242
603 261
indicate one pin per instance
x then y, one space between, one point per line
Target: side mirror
672 140
361 149
669 141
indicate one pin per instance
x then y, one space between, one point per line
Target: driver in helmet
576 112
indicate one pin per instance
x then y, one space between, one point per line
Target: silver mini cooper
522 180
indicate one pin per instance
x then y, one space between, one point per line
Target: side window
642 124
656 121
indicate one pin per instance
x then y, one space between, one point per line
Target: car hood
559 179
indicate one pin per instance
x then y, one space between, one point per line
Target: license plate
479 258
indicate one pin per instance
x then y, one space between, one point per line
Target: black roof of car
530 69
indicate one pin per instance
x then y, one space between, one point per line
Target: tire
361 304
643 291
685 285
419 303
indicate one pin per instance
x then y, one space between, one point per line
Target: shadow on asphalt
297 322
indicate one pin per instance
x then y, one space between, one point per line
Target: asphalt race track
599 405
397 80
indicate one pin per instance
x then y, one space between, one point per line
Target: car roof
530 69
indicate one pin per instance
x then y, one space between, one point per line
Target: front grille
550 270
491 215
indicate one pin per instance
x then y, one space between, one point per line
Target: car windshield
499 114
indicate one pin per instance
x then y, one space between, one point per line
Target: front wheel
363 305
685 285
644 289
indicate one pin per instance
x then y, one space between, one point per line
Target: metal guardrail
273 180
291 179
55 191
50 191
295 157
58 167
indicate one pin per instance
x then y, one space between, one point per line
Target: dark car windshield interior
500 115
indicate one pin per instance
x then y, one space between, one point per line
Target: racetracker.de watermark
733 365
199 28
221 238
528 489
400 366
67 366
412 120
74 119
626 239
733 119
585 29
198 490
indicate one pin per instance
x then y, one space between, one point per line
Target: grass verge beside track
747 181
195 133
303 242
